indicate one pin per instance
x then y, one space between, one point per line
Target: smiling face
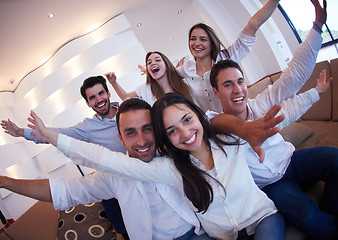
199 43
183 128
137 134
156 66
232 92
98 99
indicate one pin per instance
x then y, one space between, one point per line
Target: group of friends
188 156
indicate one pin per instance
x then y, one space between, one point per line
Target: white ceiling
29 36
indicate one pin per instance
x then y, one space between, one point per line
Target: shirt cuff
27 134
314 95
63 144
314 39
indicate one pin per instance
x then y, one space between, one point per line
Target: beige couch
317 127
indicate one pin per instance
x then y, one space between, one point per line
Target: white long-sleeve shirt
243 205
278 152
201 89
150 210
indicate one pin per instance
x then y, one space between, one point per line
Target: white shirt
144 91
242 206
277 151
200 86
150 210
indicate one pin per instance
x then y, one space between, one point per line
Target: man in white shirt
285 171
150 210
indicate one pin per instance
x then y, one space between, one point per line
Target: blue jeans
191 235
307 167
113 212
270 228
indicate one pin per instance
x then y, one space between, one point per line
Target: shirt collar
114 105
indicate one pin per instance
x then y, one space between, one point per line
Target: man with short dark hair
284 171
101 129
150 210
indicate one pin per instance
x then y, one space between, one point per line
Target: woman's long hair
175 80
196 187
216 44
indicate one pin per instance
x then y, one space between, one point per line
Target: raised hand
143 70
256 132
111 77
321 13
41 131
12 129
322 83
180 62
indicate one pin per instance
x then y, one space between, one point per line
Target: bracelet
317 26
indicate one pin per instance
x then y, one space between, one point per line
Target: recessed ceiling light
51 15
180 11
11 81
139 24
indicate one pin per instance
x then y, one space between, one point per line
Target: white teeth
101 105
191 139
143 150
198 49
238 99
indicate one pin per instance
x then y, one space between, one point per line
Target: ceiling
29 37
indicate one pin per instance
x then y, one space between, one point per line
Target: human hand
257 131
41 131
12 129
111 77
180 62
143 70
322 83
321 13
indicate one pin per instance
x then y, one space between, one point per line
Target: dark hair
196 187
216 44
91 82
175 80
222 64
129 105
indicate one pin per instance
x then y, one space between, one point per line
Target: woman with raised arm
162 78
207 49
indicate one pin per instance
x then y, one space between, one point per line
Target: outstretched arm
118 89
41 131
12 129
38 189
260 17
254 132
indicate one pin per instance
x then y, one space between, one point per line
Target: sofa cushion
324 134
321 110
334 74
85 222
296 133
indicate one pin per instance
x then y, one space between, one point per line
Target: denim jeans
306 168
113 212
270 228
191 235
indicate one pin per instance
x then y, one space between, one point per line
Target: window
300 14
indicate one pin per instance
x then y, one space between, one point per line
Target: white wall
53 89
